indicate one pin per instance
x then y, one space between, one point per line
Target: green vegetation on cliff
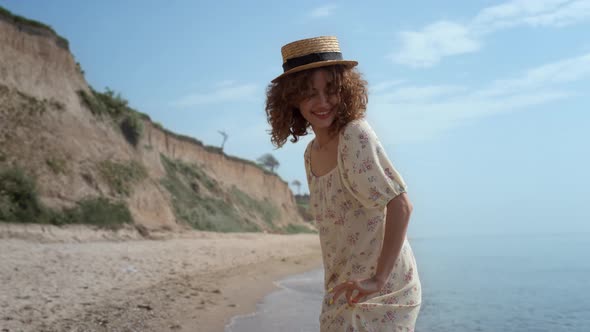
197 198
209 211
200 202
112 105
303 207
34 27
268 211
121 176
19 202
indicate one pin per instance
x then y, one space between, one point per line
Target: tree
297 184
268 160
224 134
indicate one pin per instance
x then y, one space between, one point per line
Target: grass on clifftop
23 21
19 203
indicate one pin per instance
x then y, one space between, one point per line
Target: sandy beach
79 279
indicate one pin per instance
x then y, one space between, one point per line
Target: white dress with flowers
349 205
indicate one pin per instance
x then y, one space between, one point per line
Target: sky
481 105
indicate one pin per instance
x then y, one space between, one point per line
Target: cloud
323 11
414 113
426 47
226 91
532 13
559 72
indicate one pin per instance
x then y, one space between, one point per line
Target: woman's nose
323 100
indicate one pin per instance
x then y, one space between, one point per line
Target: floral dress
349 204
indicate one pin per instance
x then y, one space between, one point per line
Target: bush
112 104
95 106
99 211
115 104
121 176
132 128
105 103
19 203
18 197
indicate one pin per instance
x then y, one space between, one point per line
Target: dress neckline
333 168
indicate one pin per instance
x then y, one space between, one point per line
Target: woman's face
319 107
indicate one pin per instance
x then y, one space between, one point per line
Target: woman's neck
323 137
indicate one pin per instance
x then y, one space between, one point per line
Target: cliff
76 146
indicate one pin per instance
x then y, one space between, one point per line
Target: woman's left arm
397 219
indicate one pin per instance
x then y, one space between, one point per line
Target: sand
80 279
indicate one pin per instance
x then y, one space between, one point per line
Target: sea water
525 283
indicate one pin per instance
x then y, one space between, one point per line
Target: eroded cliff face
47 130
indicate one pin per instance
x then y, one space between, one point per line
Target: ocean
524 283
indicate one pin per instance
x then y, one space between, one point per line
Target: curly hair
284 95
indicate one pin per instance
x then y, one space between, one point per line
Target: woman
357 197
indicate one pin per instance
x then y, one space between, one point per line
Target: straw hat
312 53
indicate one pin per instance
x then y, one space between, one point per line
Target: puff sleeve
365 170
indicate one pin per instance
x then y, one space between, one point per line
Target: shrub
115 104
121 176
112 104
19 203
95 106
18 197
132 128
99 211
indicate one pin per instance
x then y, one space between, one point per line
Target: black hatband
310 58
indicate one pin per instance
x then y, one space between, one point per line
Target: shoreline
245 295
188 281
